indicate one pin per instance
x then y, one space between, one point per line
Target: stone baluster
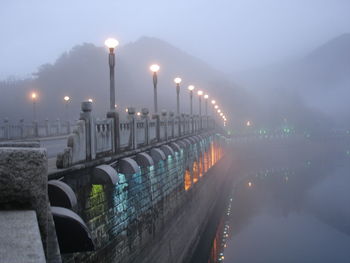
87 116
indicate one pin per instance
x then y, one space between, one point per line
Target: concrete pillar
165 119
87 116
145 117
131 117
156 117
21 125
36 128
58 131
115 133
47 128
7 128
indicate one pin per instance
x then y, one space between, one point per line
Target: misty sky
228 34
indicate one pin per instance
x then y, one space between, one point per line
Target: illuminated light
115 105
190 87
248 123
206 96
216 106
213 102
200 92
219 110
250 184
126 110
138 113
177 80
66 98
187 183
221 114
111 42
154 68
34 95
90 100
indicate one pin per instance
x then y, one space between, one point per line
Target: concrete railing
93 138
22 130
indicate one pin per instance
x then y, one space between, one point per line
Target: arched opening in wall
206 162
201 166
212 150
187 180
195 171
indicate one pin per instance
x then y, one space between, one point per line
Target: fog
277 64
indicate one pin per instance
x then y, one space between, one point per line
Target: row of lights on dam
111 44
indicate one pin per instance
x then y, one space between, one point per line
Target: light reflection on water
295 213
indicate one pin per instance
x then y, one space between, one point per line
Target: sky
230 35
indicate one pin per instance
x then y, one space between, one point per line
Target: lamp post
206 97
177 82
191 88
111 43
155 68
66 100
34 99
200 93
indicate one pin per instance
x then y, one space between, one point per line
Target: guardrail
94 138
22 130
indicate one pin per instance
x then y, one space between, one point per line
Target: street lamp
34 99
191 88
90 100
111 43
66 100
200 93
206 97
177 82
213 102
216 106
155 68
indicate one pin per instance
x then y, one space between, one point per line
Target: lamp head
190 87
216 106
213 102
206 96
66 98
154 68
90 100
34 95
200 93
177 80
111 43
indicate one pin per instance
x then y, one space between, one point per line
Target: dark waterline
287 203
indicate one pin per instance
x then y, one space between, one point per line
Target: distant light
126 110
66 98
206 96
190 87
248 123
219 110
200 92
111 43
221 114
213 102
90 100
115 105
250 184
154 68
216 106
138 113
34 95
177 80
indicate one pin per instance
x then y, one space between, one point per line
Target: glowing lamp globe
34 96
66 98
200 93
111 43
216 106
190 87
213 102
177 80
154 68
